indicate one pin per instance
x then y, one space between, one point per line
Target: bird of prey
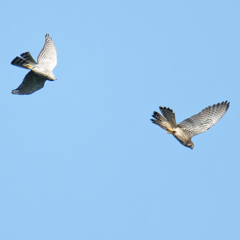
40 70
192 126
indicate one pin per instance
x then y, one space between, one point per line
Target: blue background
80 158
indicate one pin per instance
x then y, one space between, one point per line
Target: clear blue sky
80 159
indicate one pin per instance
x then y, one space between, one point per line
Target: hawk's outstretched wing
31 83
202 121
47 58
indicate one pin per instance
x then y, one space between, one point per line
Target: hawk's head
190 144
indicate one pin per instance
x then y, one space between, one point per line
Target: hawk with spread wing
40 70
192 126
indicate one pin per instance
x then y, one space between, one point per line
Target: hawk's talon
29 66
170 131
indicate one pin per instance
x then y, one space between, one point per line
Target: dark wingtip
223 103
47 36
226 103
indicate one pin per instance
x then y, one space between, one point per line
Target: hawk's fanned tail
160 121
169 115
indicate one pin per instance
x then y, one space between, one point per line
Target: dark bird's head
190 144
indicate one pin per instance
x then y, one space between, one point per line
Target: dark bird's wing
31 83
